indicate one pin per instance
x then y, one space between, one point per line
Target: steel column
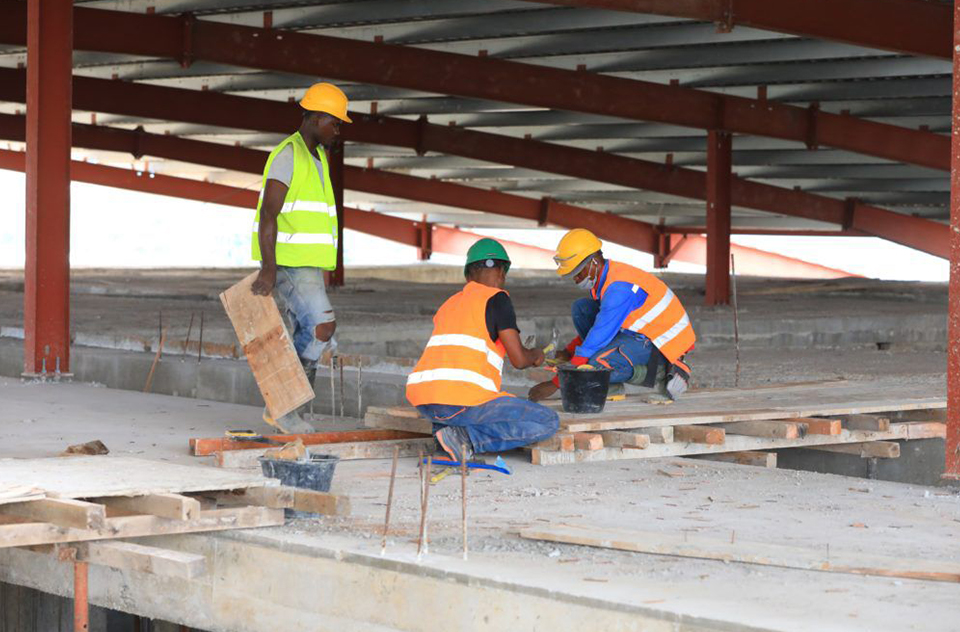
719 165
952 468
46 295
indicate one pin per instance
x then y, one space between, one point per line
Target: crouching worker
456 383
632 324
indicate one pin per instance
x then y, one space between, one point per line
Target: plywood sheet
100 476
268 348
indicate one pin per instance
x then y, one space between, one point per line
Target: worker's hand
538 357
263 284
542 391
562 355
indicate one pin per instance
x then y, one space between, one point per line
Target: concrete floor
673 495
791 331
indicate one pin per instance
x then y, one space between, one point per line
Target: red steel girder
719 163
952 468
199 107
915 27
925 235
46 287
186 39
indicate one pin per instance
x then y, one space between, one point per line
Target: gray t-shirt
281 169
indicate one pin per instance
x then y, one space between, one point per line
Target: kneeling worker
633 324
456 383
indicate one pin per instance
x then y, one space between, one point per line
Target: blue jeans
499 425
303 295
627 349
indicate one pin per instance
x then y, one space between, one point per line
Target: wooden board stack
103 497
737 425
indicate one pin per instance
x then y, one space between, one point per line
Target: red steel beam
914 27
187 39
776 232
443 238
46 287
719 164
210 108
952 469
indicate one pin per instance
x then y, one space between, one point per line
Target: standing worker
456 383
295 232
633 324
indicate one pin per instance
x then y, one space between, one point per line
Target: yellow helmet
327 98
573 249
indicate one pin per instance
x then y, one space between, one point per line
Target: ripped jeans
303 296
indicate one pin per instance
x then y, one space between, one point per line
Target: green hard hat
487 248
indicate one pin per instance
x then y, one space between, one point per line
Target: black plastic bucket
315 473
583 390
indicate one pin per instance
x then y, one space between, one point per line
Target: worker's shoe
455 441
616 390
291 423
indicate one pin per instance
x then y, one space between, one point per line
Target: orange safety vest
461 364
661 318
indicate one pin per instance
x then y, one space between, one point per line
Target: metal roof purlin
187 39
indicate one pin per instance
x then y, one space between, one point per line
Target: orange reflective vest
661 318
461 364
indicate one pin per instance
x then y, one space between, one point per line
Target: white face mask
588 282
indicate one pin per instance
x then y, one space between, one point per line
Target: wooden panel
31 533
268 348
143 559
620 439
204 447
699 434
710 548
63 512
871 449
240 459
780 429
749 457
99 476
738 443
173 506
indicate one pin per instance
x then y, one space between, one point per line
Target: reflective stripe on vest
307 222
460 365
661 318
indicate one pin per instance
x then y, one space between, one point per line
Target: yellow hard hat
328 98
574 248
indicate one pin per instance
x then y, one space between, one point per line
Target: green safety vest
307 223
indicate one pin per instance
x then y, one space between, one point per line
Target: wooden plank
63 512
620 439
870 449
173 506
748 457
268 348
101 476
698 546
819 426
587 441
273 497
240 459
31 533
395 411
205 447
699 434
866 422
15 493
733 443
143 559
780 429
926 430
657 434
406 424
561 441
321 503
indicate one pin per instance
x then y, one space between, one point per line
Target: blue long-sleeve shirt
619 300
